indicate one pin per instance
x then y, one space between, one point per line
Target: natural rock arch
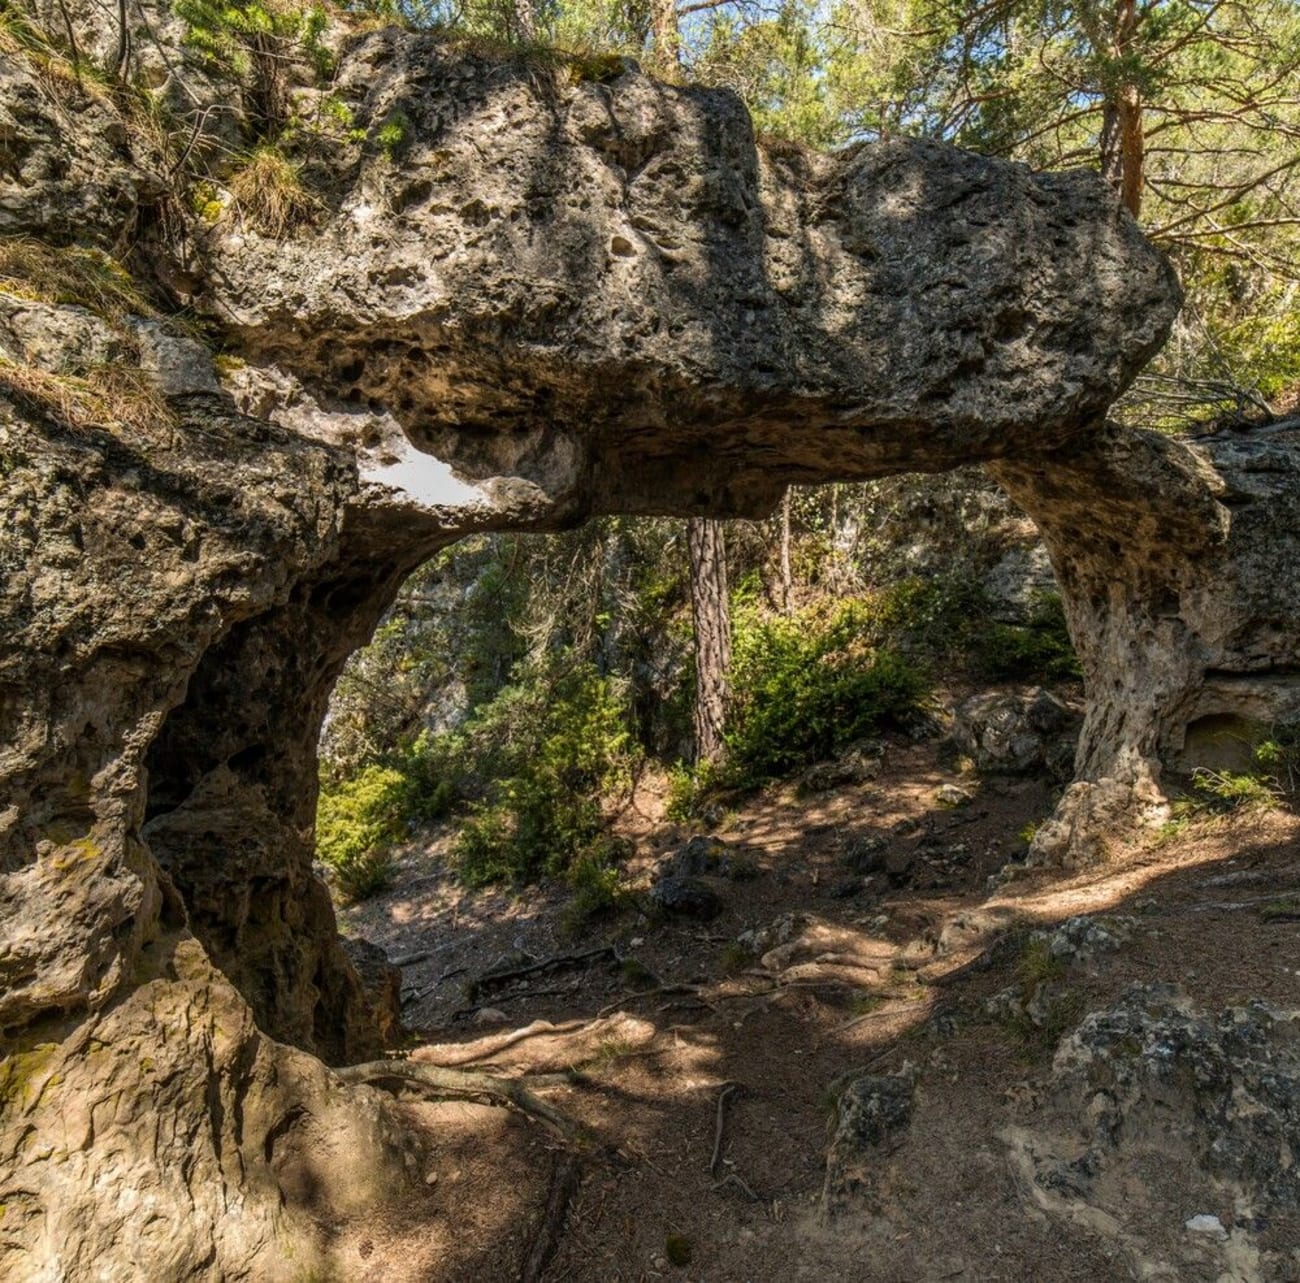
563 299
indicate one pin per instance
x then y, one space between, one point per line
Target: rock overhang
614 282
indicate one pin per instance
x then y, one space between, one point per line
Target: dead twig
565 1180
691 991
437 1082
719 1127
563 962
734 1178
414 995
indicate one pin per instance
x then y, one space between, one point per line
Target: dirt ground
888 970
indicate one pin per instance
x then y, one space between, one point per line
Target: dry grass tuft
64 79
87 277
111 396
268 192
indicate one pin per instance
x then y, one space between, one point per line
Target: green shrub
806 685
546 752
1222 791
598 888
357 824
1040 649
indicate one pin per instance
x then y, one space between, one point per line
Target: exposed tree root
565 1180
718 1128
436 1082
465 1054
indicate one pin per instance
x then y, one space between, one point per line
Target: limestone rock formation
1008 732
560 298
1170 557
1198 1106
670 319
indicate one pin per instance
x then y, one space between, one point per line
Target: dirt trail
887 969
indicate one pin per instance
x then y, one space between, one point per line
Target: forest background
522 683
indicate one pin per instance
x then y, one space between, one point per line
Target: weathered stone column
1176 561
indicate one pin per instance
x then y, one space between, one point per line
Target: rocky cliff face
557 298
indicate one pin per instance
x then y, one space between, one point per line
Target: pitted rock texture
666 317
1153 1103
166 1137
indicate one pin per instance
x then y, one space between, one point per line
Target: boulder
710 857
1015 733
679 897
1202 1106
872 1115
381 986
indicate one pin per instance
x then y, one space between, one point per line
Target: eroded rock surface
560 299
667 318
1181 1108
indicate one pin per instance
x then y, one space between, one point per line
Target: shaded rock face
1183 1108
561 299
1170 557
1011 733
651 303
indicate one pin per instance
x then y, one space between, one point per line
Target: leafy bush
357 823
805 686
1222 791
545 754
1040 649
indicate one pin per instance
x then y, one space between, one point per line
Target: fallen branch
691 991
496 979
718 1128
410 959
565 1180
414 995
436 1082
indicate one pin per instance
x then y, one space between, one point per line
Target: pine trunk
667 53
787 582
710 608
1123 144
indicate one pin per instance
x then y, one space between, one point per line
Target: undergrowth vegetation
1272 779
521 683
807 685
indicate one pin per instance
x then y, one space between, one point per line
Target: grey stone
1206 1104
872 1114
1009 732
710 857
865 854
781 931
856 765
686 898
